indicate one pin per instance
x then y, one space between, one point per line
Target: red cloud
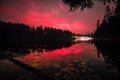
51 13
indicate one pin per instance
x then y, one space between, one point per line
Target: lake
82 60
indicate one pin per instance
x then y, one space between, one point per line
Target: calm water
80 61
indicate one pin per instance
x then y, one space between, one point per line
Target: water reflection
110 51
37 59
62 63
79 61
8 50
46 44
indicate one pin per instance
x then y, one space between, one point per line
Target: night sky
53 13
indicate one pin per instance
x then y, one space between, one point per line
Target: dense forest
110 26
21 32
17 37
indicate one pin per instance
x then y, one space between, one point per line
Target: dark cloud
47 5
14 9
21 5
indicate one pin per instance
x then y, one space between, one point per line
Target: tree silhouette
107 14
109 28
110 51
17 37
83 4
21 32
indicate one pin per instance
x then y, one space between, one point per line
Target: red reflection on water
37 59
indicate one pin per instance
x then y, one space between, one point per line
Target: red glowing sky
51 13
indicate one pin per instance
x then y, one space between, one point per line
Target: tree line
21 32
20 38
110 26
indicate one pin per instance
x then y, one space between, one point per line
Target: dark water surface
80 61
